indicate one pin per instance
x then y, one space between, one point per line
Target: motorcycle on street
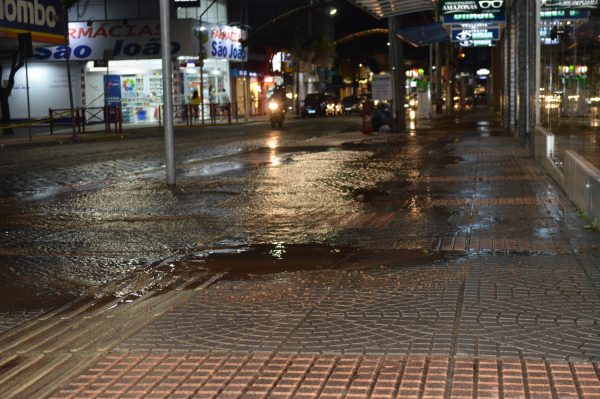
276 113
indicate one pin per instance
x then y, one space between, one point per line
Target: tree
6 88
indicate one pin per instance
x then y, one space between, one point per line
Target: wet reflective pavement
309 262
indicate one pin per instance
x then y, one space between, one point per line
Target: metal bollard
83 120
77 120
51 117
118 120
106 119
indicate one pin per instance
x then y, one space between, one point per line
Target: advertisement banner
112 94
124 40
43 18
112 90
223 42
462 11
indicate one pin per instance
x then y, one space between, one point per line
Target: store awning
424 35
388 8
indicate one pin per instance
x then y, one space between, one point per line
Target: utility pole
69 79
167 70
396 53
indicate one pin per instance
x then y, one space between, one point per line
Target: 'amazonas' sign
133 40
40 17
460 11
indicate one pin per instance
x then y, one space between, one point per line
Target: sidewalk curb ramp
38 356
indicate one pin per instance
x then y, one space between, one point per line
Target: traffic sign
459 35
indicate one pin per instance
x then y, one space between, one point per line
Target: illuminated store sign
477 43
123 40
223 42
40 17
565 14
570 4
459 11
459 35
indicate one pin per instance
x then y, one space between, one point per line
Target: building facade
116 43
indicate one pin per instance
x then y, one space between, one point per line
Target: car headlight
273 106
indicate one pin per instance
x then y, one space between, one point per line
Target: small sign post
381 87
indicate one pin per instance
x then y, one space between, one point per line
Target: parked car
314 105
350 104
332 105
320 104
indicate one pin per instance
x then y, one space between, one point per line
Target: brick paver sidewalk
505 306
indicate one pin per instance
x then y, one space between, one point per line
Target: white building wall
48 89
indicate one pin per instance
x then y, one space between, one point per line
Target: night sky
349 19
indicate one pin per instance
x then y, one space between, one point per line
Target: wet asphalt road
75 218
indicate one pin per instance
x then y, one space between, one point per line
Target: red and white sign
125 41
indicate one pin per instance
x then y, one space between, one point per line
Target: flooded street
317 240
78 217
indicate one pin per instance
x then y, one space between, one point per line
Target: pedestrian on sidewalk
225 104
213 104
195 104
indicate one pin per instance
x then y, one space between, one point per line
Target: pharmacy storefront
221 46
124 57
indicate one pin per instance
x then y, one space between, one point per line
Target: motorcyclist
277 107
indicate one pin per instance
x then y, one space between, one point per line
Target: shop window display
570 79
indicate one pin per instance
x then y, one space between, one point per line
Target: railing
111 115
191 115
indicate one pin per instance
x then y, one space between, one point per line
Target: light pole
167 66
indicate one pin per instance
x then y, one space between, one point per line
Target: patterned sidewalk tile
479 305
260 375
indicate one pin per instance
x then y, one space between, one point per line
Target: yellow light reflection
273 142
275 160
413 206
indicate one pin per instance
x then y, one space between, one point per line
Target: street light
333 11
